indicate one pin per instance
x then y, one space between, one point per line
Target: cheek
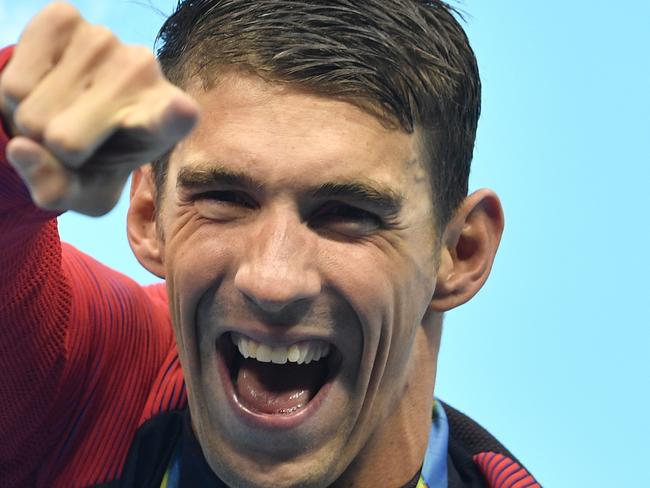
361 273
389 285
384 284
197 260
384 276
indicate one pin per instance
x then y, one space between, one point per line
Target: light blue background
552 355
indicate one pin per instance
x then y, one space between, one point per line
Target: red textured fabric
502 472
86 354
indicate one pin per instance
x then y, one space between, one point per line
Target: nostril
274 289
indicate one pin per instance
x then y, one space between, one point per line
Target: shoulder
477 459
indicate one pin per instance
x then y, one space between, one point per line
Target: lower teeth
287 411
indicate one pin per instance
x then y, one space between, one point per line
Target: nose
278 266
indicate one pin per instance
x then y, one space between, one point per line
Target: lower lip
268 421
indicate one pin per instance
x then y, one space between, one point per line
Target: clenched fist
85 110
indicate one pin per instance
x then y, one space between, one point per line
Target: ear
144 238
468 247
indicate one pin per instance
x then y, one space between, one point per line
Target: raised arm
82 110
34 305
86 110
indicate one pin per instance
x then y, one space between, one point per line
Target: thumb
46 179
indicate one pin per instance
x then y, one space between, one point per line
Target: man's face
292 219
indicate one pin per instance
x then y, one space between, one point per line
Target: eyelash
235 198
342 210
329 210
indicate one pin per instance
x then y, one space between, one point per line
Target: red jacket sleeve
80 345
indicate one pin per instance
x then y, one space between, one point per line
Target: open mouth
277 380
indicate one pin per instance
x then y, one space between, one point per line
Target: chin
249 472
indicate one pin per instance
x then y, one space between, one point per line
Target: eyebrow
387 200
371 193
209 175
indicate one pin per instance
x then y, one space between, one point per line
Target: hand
85 111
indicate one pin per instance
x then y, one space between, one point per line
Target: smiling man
312 227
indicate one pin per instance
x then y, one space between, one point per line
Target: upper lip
279 338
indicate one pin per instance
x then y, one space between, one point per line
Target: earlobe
143 236
468 248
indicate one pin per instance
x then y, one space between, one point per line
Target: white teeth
310 356
279 355
293 354
251 347
302 352
263 353
244 349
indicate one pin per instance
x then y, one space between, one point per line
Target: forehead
288 137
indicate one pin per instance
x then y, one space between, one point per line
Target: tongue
278 388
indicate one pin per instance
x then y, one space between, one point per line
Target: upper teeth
302 352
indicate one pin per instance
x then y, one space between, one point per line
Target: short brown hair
408 62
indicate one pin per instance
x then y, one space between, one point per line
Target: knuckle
61 14
138 69
28 120
141 61
62 141
12 86
55 19
99 38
